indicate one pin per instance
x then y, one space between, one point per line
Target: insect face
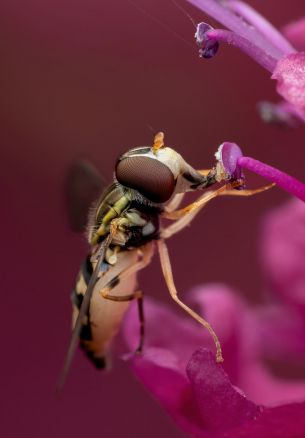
157 175
142 170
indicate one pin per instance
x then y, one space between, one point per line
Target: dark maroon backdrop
92 77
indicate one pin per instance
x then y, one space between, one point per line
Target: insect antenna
82 312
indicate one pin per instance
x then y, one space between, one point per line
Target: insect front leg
174 203
168 275
185 215
247 192
196 205
178 198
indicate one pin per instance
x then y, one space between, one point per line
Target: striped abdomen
104 316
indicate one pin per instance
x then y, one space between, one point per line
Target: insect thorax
136 219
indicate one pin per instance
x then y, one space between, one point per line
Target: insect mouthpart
152 178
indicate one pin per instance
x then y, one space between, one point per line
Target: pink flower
254 35
199 394
240 398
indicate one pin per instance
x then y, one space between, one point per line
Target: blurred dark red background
94 78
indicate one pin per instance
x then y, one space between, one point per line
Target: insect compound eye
152 179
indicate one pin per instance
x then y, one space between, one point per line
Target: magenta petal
290 75
226 312
202 401
282 331
286 421
181 335
221 405
157 371
283 253
295 32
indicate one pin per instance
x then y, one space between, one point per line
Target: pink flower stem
263 58
282 179
261 24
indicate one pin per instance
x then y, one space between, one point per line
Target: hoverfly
123 230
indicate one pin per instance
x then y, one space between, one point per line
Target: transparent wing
82 312
83 186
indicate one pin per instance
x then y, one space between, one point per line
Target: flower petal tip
221 405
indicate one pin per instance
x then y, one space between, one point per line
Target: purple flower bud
228 169
207 48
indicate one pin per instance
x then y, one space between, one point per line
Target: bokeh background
92 78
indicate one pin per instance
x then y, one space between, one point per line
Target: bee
124 229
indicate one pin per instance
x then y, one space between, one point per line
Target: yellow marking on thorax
113 213
116 210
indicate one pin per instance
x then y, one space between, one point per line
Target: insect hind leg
138 295
168 276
